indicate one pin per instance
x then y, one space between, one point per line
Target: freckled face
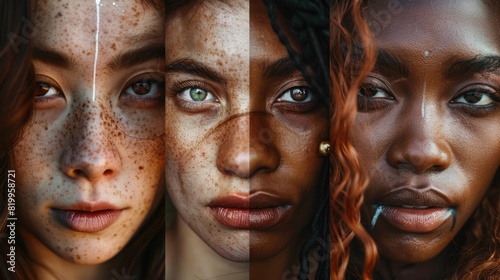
239 139
429 124
95 143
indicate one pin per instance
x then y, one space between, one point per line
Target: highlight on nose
247 148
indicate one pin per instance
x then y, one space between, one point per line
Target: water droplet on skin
426 53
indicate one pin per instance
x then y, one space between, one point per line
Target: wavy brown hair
17 84
352 57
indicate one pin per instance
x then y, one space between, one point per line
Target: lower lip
416 220
256 219
85 221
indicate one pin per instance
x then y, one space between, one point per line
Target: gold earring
324 148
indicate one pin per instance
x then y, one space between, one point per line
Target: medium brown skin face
428 129
247 136
83 150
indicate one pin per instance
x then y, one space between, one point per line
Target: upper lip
413 196
89 206
254 201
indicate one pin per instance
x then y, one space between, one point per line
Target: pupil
142 88
473 97
198 94
299 94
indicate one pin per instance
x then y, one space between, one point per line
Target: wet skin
82 150
429 123
246 136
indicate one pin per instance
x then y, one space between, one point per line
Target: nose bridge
421 144
247 148
90 151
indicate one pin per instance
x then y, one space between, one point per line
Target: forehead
72 26
210 30
462 25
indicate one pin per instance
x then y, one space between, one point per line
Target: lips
87 217
260 211
415 210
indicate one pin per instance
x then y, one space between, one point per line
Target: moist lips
87 221
258 212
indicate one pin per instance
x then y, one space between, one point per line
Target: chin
241 255
409 255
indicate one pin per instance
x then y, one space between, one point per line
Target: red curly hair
348 179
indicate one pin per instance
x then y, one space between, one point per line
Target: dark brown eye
369 91
142 88
475 98
45 89
297 95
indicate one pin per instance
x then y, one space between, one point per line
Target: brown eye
45 89
142 88
369 91
475 98
297 95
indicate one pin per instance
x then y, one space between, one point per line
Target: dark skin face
428 124
246 134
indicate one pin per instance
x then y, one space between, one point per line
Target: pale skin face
94 136
429 123
246 135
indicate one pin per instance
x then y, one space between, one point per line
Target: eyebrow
53 57
389 63
280 68
137 56
193 67
469 67
121 61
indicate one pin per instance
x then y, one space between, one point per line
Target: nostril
78 172
108 172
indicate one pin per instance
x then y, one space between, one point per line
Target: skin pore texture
427 130
243 123
95 142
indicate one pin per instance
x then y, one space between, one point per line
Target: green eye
198 94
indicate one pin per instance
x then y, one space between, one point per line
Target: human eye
298 99
196 94
146 90
47 92
478 100
373 94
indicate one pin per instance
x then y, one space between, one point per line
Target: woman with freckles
243 130
89 166
428 130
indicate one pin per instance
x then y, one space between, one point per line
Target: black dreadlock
309 22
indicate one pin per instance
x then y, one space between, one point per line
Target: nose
248 147
421 144
90 152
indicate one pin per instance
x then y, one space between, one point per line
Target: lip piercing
378 210
324 148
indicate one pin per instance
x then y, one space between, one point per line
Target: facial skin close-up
428 124
89 166
242 132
